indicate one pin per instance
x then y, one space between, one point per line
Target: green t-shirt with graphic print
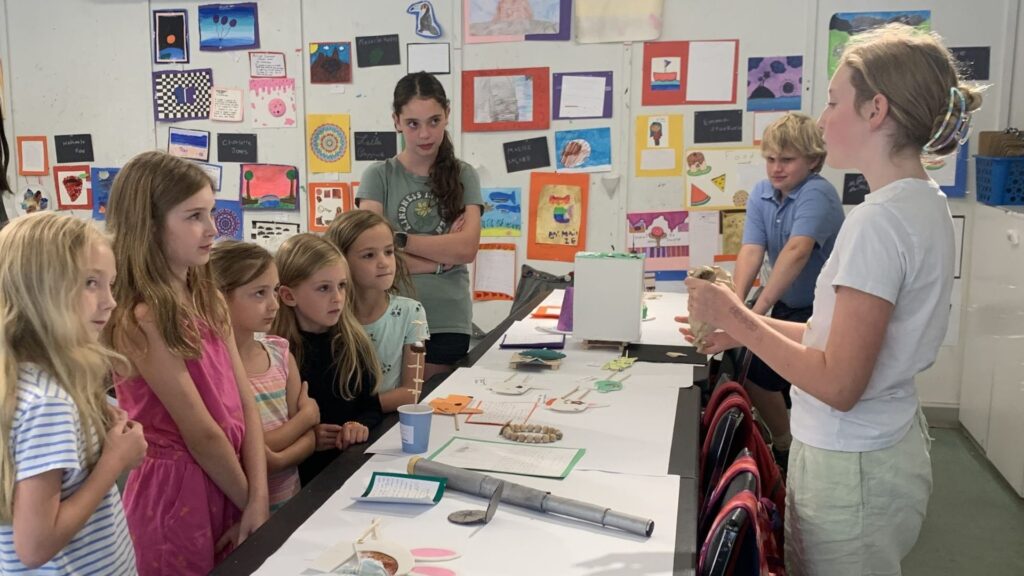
412 208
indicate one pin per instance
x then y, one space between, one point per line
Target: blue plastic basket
1000 180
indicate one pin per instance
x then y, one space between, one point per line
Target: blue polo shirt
812 209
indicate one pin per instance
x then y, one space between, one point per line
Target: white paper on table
658 159
711 72
33 156
522 459
429 57
497 412
582 97
762 120
704 241
495 271
226 104
556 545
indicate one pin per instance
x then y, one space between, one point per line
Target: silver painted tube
483 486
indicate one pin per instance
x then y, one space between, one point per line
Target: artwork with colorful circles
227 216
272 102
327 143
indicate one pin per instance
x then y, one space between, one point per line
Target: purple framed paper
578 95
182 95
516 20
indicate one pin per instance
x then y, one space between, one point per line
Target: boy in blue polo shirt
794 215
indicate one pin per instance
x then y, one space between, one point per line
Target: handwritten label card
226 105
378 51
717 126
527 154
375 145
267 65
73 148
404 488
236 148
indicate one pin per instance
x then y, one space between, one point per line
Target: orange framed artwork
558 216
326 201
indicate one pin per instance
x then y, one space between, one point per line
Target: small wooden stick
573 391
455 416
372 529
585 392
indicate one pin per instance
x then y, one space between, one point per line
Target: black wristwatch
401 239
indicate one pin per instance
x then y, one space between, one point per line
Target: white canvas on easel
608 293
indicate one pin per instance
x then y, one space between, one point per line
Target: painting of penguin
427 25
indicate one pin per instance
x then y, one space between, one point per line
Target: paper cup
414 424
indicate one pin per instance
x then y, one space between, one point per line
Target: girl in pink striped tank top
247 276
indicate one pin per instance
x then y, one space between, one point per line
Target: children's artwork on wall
102 180
430 57
558 215
762 120
974 61
269 187
507 99
528 154
213 171
516 20
71 182
271 233
191 144
427 25
229 26
502 214
227 216
716 126
775 83
327 200
659 146
579 95
330 62
272 102
617 21
182 95
949 172
662 237
328 143
374 146
170 36
34 201
585 150
73 148
267 65
846 24
226 105
855 188
688 72
378 51
732 231
33 156
721 178
494 272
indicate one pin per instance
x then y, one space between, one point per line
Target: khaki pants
856 513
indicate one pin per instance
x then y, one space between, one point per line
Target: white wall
87 68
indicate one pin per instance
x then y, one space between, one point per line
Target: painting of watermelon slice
698 197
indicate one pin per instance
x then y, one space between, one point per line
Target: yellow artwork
559 215
659 146
732 231
328 143
721 178
719 181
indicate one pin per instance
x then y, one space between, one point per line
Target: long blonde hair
42 263
346 229
915 72
148 187
299 258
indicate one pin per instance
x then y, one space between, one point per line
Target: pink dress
175 512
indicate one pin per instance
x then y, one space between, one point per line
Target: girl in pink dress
202 487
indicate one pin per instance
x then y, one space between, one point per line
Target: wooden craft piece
701 330
542 357
530 433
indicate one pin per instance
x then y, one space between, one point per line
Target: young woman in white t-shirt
859 470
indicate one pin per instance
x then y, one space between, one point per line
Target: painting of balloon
228 27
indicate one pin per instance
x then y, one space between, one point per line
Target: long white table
629 440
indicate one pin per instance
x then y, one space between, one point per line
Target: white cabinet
992 386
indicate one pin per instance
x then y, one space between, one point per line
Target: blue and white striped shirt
47 435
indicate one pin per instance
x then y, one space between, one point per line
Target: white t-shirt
898 245
47 435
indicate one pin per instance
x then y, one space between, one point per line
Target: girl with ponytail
433 201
